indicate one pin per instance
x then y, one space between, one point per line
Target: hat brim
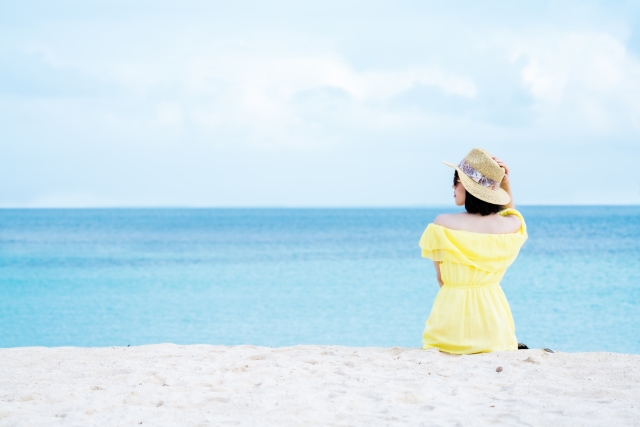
496 197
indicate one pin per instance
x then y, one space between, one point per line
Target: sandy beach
198 385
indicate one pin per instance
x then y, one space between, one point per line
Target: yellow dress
470 313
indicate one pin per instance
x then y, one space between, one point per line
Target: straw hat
481 176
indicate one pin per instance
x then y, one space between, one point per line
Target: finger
502 165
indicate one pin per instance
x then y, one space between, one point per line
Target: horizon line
296 206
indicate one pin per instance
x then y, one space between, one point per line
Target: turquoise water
278 277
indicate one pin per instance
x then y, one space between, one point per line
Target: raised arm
505 185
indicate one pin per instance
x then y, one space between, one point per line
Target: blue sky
199 103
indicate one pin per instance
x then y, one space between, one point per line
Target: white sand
170 385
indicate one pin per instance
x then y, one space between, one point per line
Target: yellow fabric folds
470 313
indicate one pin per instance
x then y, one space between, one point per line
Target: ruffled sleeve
437 245
490 252
511 211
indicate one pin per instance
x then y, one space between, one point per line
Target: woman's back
469 258
490 224
471 313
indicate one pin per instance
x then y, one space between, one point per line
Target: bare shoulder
491 224
449 220
512 223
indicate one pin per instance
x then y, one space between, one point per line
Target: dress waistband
475 285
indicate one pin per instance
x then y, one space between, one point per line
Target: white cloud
257 91
159 104
582 79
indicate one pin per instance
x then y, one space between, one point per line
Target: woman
471 252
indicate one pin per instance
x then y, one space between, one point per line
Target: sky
311 104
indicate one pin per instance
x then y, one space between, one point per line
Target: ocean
280 277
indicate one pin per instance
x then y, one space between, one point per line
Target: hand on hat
503 165
505 181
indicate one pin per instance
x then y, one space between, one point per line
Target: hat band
477 176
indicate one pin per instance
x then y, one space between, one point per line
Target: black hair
473 205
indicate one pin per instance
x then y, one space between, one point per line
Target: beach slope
171 385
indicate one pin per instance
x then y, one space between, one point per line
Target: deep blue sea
277 277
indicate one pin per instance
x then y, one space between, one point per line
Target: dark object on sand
522 346
548 350
499 369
